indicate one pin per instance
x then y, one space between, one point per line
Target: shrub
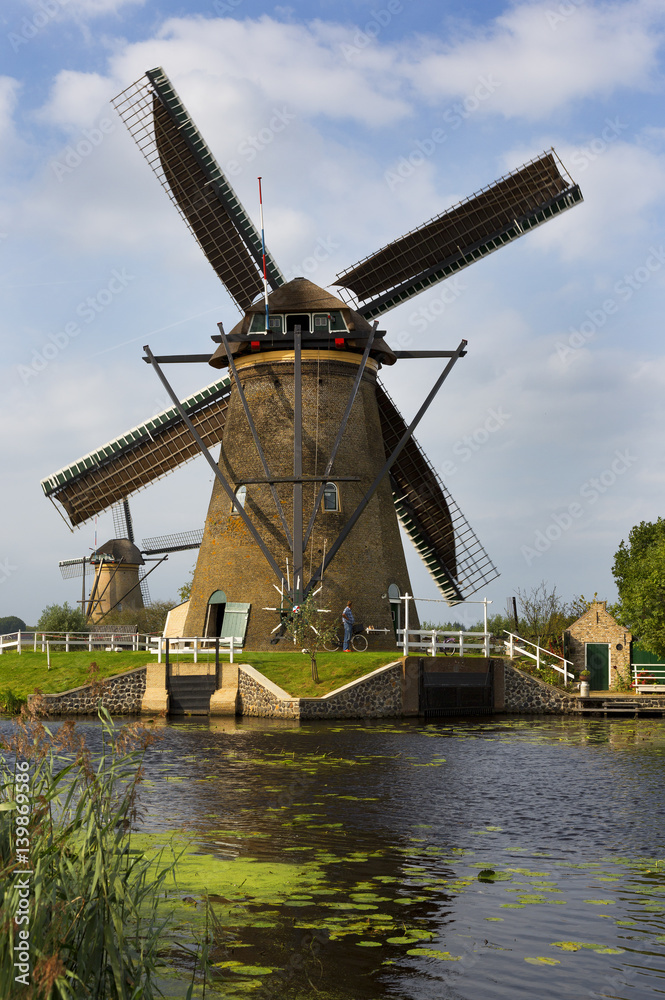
61 618
12 624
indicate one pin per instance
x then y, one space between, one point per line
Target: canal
509 857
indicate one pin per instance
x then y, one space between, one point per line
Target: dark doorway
598 663
215 617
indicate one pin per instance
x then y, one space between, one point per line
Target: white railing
648 677
37 641
162 646
516 646
435 641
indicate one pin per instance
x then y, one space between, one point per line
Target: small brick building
596 641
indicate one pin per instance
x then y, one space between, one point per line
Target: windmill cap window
319 322
299 319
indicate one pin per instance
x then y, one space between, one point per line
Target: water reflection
512 857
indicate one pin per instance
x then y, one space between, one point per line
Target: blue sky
549 433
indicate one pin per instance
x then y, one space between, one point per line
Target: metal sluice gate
444 693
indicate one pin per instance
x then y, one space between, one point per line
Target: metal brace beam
342 428
215 468
252 426
298 546
404 440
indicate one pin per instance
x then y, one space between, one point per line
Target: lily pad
444 956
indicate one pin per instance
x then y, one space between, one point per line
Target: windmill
317 467
116 566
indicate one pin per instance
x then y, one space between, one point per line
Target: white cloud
622 183
77 100
8 97
539 67
293 63
95 8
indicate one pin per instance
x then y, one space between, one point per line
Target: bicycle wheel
359 643
333 644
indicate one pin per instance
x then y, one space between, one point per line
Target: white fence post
66 642
196 650
231 650
461 643
432 651
405 636
48 655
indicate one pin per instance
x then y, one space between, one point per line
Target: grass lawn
291 671
22 674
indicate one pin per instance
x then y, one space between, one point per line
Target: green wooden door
598 663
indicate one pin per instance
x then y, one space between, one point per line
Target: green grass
22 674
290 670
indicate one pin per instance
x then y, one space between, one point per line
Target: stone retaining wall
524 693
260 697
121 695
376 696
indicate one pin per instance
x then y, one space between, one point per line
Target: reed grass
95 920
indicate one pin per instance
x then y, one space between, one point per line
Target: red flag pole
263 247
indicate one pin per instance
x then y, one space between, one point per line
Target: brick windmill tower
317 468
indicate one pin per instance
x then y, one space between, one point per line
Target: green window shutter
235 620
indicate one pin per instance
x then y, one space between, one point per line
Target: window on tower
330 497
241 496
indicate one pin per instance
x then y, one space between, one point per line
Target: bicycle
358 640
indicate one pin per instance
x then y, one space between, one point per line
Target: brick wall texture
372 556
598 625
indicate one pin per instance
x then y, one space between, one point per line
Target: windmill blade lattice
187 170
122 520
179 541
70 569
477 226
430 516
139 457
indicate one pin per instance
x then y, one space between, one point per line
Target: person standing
347 622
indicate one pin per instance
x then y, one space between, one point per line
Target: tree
543 614
639 571
149 620
11 624
311 628
61 618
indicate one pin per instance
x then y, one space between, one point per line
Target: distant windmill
119 580
316 463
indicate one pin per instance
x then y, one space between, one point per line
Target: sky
364 119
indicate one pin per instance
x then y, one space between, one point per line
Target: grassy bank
22 674
292 671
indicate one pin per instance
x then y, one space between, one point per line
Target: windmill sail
498 214
174 148
122 520
139 457
439 531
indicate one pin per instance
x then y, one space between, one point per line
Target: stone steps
190 694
